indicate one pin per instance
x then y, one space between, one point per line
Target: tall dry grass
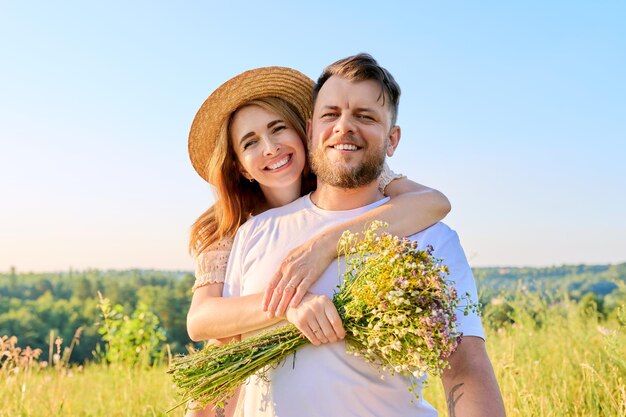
33 387
96 390
555 360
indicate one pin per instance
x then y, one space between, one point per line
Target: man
351 131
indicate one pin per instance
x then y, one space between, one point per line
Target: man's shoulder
437 231
444 241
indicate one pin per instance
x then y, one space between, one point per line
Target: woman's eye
279 128
249 143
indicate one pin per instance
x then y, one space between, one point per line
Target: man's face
350 133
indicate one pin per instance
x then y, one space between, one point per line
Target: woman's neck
277 197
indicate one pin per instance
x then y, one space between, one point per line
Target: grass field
553 361
569 365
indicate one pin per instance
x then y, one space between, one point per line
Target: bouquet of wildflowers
397 307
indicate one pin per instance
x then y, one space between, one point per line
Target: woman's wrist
325 244
386 177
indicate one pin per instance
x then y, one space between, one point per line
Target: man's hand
317 318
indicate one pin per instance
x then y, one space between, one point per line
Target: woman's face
269 150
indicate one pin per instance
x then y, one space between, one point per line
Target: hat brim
285 83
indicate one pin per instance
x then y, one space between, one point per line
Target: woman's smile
283 160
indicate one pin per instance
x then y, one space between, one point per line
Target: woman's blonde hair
236 197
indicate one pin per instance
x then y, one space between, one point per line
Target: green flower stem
200 376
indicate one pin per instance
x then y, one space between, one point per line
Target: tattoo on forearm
452 400
220 411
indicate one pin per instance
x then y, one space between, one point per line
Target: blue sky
515 111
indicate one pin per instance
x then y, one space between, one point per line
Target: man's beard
340 176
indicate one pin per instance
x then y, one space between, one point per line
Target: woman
248 140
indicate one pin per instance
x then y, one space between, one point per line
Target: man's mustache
347 137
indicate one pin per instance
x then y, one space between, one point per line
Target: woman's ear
242 171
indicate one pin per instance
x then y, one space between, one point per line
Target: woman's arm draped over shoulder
413 207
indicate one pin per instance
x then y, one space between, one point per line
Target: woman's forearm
411 209
214 317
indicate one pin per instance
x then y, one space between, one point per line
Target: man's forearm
474 398
470 384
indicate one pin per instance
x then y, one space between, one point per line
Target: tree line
38 308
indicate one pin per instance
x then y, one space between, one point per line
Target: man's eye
365 117
329 115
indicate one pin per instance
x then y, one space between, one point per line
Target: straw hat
285 83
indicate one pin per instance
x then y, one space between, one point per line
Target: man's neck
332 198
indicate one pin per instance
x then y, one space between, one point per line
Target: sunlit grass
554 360
568 365
97 390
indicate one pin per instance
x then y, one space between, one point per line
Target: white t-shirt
325 380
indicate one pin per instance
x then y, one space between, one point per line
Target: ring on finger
290 287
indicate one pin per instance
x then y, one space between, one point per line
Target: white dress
211 264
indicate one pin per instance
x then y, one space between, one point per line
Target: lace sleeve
211 264
386 176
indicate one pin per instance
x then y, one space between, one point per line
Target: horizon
513 111
172 271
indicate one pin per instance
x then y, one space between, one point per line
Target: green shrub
135 340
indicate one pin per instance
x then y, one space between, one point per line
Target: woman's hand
297 273
317 318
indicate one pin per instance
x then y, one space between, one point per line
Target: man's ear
394 139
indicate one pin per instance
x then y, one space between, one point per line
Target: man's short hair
362 67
